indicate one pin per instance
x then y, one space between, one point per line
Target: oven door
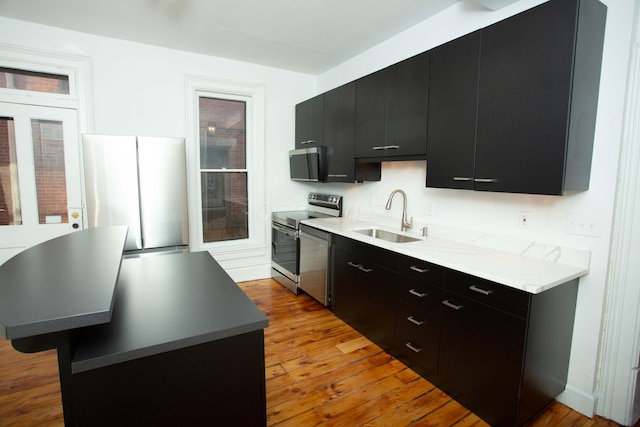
285 252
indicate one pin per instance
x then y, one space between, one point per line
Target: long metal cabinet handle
366 270
385 147
342 175
309 141
419 270
354 265
480 290
485 180
451 305
418 294
415 321
462 178
413 347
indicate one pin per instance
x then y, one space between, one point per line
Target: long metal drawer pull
462 178
415 321
413 347
354 265
418 294
485 180
366 270
309 141
341 175
419 270
480 290
451 305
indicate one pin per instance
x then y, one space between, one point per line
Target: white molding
579 400
621 340
254 247
80 71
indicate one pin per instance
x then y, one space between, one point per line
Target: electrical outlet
524 220
581 225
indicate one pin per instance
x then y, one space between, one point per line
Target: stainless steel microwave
308 164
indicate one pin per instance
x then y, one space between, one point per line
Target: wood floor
319 372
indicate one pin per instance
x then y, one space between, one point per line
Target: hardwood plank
319 371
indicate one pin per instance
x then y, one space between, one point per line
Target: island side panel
217 383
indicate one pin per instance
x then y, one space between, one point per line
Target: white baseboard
579 400
253 272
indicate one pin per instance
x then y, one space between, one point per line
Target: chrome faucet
405 225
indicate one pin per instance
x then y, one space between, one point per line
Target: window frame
254 97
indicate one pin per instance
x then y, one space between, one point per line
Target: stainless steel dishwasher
315 279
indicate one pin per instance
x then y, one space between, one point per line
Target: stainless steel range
285 233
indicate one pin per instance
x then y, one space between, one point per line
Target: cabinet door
378 295
347 295
523 104
453 99
339 132
481 357
309 122
371 115
407 101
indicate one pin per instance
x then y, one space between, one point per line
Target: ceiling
309 36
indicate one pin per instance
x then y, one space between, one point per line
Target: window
225 163
51 181
223 169
12 78
10 211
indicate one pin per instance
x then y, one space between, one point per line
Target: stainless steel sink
389 236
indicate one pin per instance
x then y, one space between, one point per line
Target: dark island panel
167 303
65 283
218 383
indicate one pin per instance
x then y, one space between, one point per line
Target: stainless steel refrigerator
139 182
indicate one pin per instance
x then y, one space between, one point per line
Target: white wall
139 90
498 213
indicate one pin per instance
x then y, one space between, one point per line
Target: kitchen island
161 340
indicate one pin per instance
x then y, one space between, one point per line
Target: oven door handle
285 230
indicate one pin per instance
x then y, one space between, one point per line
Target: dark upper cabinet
338 135
391 111
309 122
453 101
537 92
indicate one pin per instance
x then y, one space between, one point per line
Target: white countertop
529 266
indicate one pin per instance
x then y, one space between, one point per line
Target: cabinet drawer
366 251
421 295
502 297
417 340
421 270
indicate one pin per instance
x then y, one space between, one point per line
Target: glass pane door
40 189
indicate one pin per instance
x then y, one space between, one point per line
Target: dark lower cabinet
364 291
481 353
504 353
501 352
